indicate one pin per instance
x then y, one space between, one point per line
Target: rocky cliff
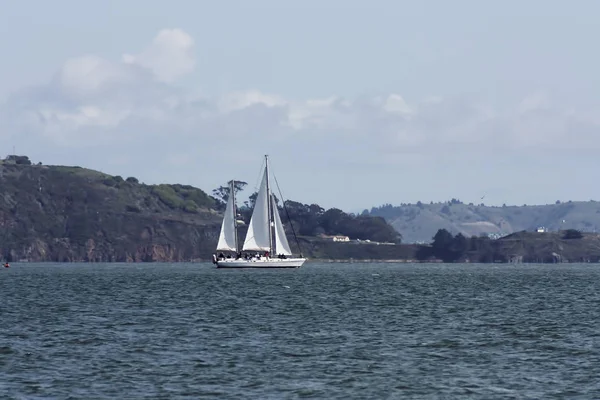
58 213
55 213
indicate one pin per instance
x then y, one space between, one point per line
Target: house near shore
341 238
335 238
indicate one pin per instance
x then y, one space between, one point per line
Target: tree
460 244
252 200
442 241
334 221
448 248
572 234
21 160
222 192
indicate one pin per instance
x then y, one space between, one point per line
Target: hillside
419 222
57 213
530 247
60 213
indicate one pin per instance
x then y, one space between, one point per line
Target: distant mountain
420 222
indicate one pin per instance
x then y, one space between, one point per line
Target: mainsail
265 233
258 235
281 243
227 237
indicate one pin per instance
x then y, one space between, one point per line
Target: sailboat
265 245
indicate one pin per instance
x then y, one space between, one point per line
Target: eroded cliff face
171 242
72 214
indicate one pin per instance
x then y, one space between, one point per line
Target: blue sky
358 103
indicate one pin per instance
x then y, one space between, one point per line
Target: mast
234 210
269 205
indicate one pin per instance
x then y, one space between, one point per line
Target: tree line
449 248
314 220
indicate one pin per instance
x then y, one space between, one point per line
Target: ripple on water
323 331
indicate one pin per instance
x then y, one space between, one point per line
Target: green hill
59 213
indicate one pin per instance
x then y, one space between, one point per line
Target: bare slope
419 222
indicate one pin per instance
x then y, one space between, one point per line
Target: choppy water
324 331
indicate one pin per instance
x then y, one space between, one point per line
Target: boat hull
261 263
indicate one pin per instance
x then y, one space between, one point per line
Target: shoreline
308 261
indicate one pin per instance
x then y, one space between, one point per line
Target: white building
341 239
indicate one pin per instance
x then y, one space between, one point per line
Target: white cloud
239 100
169 56
131 108
90 92
86 75
395 104
534 102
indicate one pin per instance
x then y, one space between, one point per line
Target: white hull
263 262
265 235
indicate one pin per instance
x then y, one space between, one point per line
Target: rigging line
259 178
287 214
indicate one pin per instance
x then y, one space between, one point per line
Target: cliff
56 213
59 213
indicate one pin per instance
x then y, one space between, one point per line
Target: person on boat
221 256
266 254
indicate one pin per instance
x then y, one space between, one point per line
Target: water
329 331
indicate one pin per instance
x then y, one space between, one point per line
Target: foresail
257 237
227 235
281 243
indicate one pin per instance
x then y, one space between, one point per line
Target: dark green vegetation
310 220
55 213
420 222
58 213
545 247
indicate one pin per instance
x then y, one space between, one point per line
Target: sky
357 103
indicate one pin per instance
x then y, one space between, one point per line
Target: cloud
169 56
132 108
90 99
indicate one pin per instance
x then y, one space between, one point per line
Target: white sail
227 236
281 243
257 237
